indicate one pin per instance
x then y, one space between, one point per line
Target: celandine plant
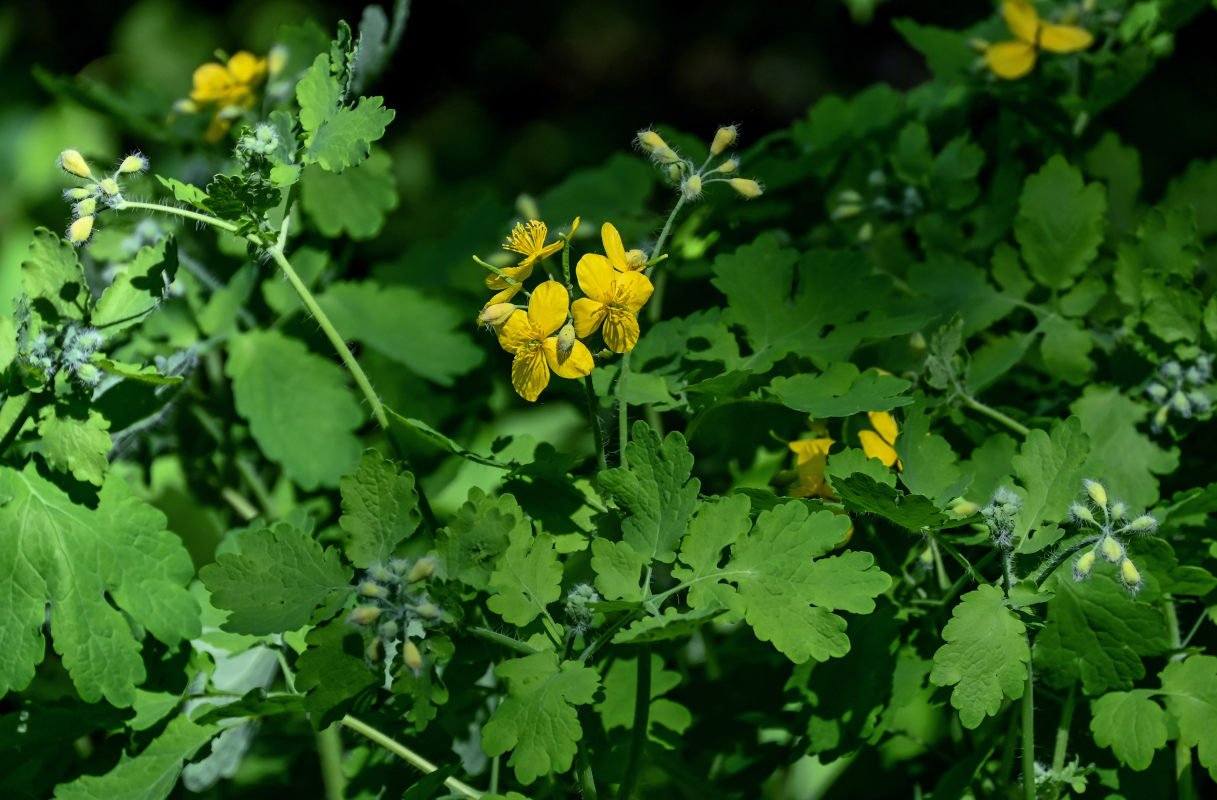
856 489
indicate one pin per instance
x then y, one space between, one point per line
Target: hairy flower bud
747 187
566 342
73 162
665 155
85 208
132 164
496 314
428 610
373 590
423 568
413 658
966 509
388 630
1118 510
108 186
1130 575
635 259
364 615
79 193
380 573
1097 492
1083 566
730 165
1113 551
80 230
691 188
723 138
650 141
1143 524
1156 391
1081 513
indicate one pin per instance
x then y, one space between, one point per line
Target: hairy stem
593 419
638 738
991 412
587 779
329 753
623 411
1061 748
207 219
1029 732
503 639
406 754
24 406
1183 753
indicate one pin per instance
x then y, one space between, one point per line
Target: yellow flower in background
613 299
229 87
880 443
1011 60
529 335
811 457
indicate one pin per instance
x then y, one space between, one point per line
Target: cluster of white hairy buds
394 598
1182 390
1114 524
106 191
1001 516
692 180
878 200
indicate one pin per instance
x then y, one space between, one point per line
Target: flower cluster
1182 390
879 200
87 200
693 180
545 337
229 88
71 350
394 598
1001 516
1114 524
1014 59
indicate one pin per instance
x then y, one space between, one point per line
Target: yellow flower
613 298
229 87
881 444
529 241
616 255
529 336
1016 58
811 457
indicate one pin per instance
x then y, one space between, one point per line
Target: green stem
348 358
991 412
587 779
638 738
329 753
943 581
1062 737
503 639
1183 753
215 222
25 408
1029 732
246 509
1058 556
593 418
1006 770
1172 628
250 474
623 411
667 228
608 634
1007 568
954 553
406 754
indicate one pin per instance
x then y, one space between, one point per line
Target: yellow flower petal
588 314
885 424
620 330
578 364
1064 38
505 295
595 274
211 83
530 372
806 449
246 68
875 447
1021 18
518 273
613 248
1010 60
516 332
529 240
632 290
548 307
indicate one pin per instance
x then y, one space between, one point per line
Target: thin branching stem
406 754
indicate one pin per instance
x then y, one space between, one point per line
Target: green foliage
1060 223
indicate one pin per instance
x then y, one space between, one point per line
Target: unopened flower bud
917 342
423 568
650 141
848 197
845 211
723 138
1097 492
1180 403
1193 376
966 508
1170 369
1083 566
865 233
665 155
380 573
1118 510
1157 391
730 165
566 342
428 610
413 658
691 188
1113 551
876 179
373 590
1160 417
1130 574
276 59
1081 513
1199 400
79 193
388 630
88 374
676 171
747 187
132 164
73 162
1143 524
635 259
364 615
399 566
496 314
108 186
85 208
80 230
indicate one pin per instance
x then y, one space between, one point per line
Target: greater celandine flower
881 442
229 87
1014 59
615 294
529 336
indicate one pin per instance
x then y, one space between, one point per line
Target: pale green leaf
985 655
138 290
53 278
618 570
537 720
717 526
279 580
76 440
299 409
1131 724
